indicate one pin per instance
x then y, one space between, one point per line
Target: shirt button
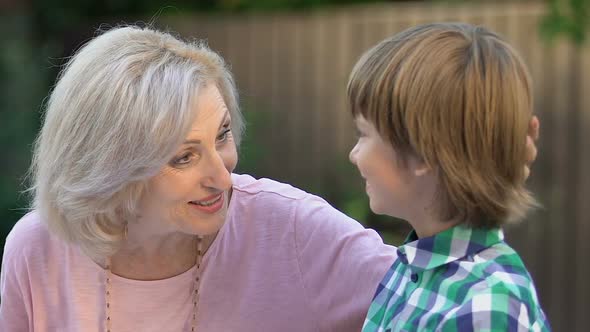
414 277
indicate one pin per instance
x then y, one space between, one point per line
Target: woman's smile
210 205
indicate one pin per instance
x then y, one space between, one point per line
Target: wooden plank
319 135
333 87
582 224
344 62
252 54
307 107
294 76
573 114
556 207
532 51
237 53
517 234
279 83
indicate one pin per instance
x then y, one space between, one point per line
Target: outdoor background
291 59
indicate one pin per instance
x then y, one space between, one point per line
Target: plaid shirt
461 279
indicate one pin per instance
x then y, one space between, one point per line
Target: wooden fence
292 68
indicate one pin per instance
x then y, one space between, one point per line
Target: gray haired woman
139 224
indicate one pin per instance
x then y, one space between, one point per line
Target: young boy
442 112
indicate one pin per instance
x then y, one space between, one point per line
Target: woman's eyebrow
224 119
198 141
192 141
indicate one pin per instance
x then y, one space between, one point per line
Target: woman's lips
210 205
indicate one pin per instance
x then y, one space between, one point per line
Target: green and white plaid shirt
462 279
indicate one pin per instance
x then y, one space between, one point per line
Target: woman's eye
223 136
184 159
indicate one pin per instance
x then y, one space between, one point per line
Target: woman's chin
206 226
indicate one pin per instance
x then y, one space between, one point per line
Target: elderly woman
139 224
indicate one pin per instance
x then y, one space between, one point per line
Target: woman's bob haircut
119 110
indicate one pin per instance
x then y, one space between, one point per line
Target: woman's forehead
210 110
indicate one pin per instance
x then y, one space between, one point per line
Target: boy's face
391 187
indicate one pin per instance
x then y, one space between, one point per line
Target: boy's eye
358 133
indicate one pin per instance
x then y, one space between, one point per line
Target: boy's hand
531 148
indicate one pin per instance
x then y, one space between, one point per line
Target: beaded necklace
108 292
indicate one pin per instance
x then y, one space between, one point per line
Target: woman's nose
217 174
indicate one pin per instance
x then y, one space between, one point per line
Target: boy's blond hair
460 98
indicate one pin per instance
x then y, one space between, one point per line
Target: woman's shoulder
252 187
29 236
268 195
308 212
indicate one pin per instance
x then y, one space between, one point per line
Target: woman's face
191 193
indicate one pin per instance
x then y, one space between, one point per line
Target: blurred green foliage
38 36
570 18
24 80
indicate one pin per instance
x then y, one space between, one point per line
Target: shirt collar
447 246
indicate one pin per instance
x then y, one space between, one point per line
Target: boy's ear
420 167
422 170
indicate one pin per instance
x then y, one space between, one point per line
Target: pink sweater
284 260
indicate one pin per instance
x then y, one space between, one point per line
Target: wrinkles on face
200 168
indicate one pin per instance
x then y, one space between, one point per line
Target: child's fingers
534 127
531 155
531 150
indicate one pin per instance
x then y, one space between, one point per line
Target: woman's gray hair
121 107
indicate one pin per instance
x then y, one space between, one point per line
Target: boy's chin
377 207
382 209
